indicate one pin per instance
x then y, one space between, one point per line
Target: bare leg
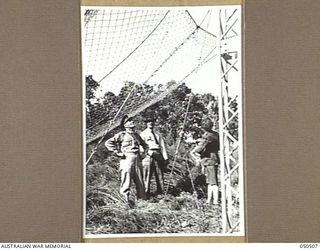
210 193
215 191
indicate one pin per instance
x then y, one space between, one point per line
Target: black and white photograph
163 121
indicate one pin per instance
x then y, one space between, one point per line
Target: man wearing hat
129 146
156 158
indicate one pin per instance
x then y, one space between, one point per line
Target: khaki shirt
126 143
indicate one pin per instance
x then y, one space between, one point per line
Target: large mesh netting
127 51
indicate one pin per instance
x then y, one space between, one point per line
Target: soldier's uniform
130 145
207 153
155 160
208 149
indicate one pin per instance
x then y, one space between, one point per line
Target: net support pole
229 144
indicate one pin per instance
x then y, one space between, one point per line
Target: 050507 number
308 245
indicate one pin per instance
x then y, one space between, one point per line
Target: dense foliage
183 209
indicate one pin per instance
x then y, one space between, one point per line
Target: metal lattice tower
230 110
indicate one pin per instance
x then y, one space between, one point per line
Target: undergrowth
181 210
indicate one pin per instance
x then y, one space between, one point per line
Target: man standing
207 152
128 145
156 159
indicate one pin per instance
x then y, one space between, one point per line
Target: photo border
217 237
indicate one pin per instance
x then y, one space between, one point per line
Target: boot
126 197
128 201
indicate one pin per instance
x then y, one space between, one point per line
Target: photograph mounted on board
162 113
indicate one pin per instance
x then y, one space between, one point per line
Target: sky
209 73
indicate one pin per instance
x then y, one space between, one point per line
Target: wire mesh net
128 51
